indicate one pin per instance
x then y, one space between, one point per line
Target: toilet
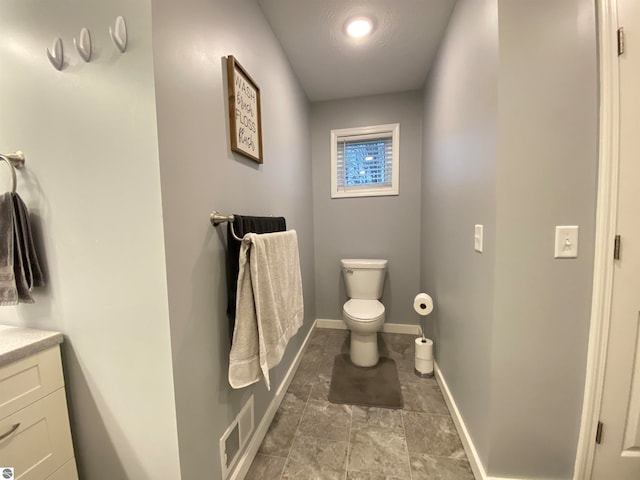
363 313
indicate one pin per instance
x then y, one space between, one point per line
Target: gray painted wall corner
459 178
200 174
547 177
92 186
521 398
370 227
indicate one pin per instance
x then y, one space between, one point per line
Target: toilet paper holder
423 362
423 305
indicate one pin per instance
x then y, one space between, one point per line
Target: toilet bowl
364 318
363 313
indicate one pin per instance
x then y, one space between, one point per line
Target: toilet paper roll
423 304
424 367
424 348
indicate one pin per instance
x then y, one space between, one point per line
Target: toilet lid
363 309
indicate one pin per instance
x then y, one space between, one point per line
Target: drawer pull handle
11 430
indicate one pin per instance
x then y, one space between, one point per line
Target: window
364 161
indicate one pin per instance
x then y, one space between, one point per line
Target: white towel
269 305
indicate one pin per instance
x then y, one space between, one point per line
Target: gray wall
547 166
200 174
458 191
92 186
511 324
371 227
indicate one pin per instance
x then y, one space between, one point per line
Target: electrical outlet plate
566 242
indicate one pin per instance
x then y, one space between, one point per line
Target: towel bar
217 218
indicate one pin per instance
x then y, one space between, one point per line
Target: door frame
606 216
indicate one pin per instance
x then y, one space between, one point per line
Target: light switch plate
566 243
478 239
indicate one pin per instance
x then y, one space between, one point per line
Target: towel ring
13 172
14 160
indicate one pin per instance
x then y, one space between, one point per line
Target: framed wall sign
245 119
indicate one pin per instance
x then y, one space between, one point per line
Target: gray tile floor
313 439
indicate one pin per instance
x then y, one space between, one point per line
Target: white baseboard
470 449
329 323
244 463
467 442
386 327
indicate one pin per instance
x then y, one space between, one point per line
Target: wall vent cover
236 438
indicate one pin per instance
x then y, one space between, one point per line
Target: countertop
17 343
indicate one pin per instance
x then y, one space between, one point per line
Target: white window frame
368 191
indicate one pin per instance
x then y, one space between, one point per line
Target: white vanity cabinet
35 438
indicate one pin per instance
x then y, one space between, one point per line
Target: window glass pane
365 163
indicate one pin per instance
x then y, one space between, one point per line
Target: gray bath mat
376 386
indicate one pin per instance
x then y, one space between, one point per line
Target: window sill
365 193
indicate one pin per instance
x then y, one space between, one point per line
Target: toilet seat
363 310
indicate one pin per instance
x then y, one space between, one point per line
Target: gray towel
37 278
243 224
26 266
8 291
269 309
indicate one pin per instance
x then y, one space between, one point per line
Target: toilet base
364 349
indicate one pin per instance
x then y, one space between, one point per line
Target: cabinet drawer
27 380
41 443
67 472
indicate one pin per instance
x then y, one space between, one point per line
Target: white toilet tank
364 278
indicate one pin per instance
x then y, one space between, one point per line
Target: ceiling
395 58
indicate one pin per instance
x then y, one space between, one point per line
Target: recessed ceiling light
359 27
